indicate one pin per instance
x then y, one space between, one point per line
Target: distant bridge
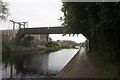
40 30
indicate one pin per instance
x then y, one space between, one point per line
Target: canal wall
68 67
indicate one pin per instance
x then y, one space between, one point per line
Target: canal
36 64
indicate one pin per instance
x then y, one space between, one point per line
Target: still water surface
36 65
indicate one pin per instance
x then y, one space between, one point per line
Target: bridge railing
17 28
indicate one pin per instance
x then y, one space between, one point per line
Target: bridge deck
38 30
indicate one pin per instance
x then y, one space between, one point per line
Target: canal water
35 64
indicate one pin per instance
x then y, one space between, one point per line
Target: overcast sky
38 13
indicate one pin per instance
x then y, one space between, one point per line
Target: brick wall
8 35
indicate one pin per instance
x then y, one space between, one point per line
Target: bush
8 45
62 46
41 47
53 45
27 41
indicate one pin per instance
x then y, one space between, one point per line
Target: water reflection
35 65
57 60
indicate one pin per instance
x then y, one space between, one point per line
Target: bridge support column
47 37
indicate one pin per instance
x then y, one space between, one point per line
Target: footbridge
38 30
24 30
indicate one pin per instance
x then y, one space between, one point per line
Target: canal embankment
23 49
68 67
28 49
49 47
79 67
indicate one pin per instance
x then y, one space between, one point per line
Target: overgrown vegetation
53 45
10 45
85 45
56 46
27 42
99 22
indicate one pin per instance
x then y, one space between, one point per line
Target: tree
3 10
99 22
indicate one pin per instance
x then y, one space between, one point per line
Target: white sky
38 13
79 38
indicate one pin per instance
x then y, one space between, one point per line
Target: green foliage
83 17
75 18
27 41
63 45
41 47
8 45
28 38
53 45
99 22
57 46
3 10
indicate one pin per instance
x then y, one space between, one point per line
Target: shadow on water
32 64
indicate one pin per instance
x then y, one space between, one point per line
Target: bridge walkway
79 67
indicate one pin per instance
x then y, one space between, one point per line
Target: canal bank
23 49
79 67
27 49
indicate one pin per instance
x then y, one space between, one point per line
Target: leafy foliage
8 45
99 22
53 45
3 10
28 38
27 41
